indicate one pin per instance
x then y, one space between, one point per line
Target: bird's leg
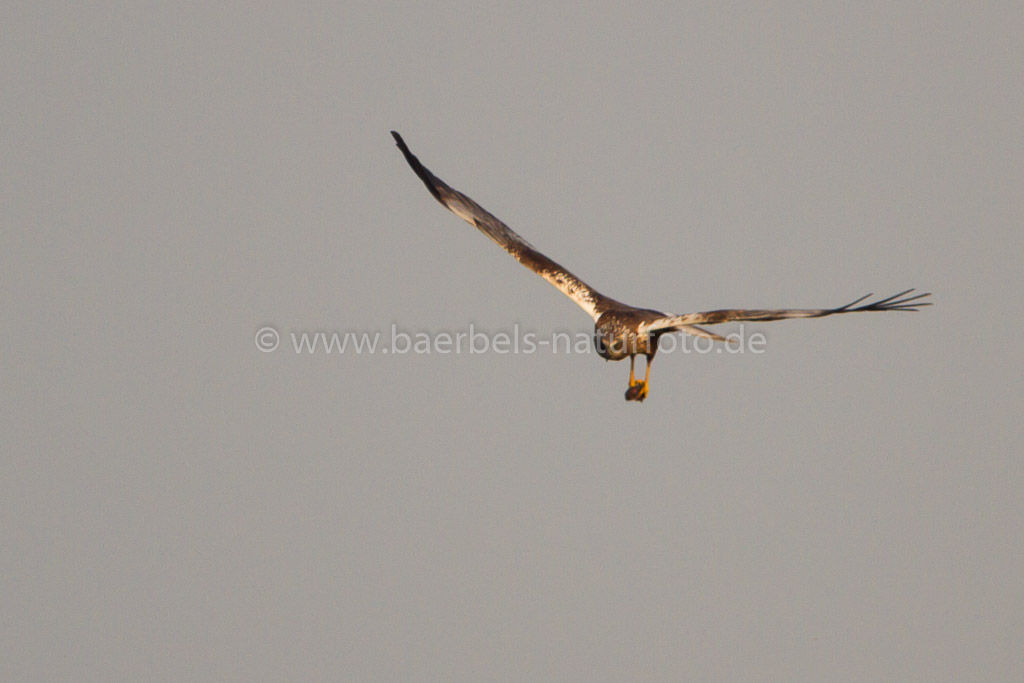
637 390
647 378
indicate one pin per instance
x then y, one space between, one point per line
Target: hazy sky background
180 506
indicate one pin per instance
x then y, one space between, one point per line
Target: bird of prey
620 330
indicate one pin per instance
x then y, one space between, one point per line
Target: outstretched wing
896 302
465 208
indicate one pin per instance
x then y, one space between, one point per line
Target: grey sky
178 505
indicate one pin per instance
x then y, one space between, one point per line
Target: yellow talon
637 391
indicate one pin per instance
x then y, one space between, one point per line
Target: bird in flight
620 330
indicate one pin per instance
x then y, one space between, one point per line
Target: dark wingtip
896 302
420 170
402 146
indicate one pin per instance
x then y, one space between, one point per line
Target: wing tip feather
426 176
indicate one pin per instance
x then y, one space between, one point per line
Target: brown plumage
621 330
